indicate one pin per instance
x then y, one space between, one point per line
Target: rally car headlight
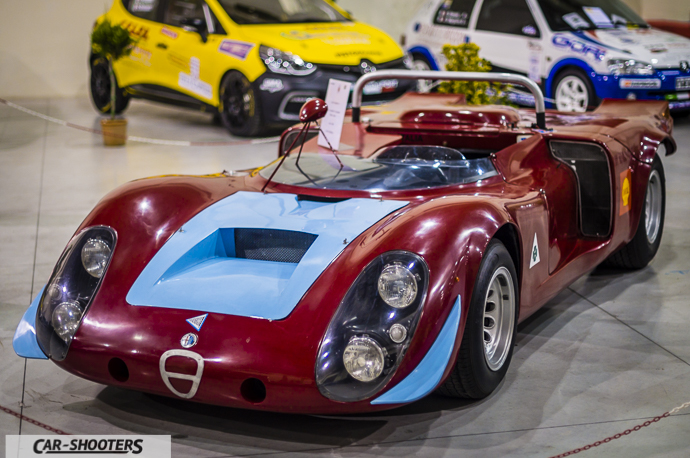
287 63
372 328
72 286
629 67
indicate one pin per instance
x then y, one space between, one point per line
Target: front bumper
281 96
672 85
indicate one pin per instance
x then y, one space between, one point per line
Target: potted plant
465 58
112 43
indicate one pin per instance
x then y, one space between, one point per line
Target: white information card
332 124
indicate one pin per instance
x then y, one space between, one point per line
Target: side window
455 13
179 10
507 16
145 9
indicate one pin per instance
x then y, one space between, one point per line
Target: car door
450 23
141 20
509 37
191 37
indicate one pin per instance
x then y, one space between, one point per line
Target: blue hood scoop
253 254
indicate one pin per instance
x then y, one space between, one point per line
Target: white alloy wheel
572 94
422 85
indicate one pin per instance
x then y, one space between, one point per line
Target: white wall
44 44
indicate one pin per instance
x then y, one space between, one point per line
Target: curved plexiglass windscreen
280 11
395 168
564 15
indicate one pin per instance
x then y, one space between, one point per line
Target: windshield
565 15
280 11
396 168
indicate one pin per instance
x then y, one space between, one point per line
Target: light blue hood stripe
427 375
189 273
24 342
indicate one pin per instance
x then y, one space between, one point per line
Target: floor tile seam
630 327
449 436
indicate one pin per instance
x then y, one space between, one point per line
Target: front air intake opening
273 245
118 370
253 390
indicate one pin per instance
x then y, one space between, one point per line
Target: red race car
362 279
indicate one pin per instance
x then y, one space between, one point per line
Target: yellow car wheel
238 108
100 88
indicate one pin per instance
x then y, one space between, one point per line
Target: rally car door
509 37
191 54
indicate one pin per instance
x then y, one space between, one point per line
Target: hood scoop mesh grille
272 245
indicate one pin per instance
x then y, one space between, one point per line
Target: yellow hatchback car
253 62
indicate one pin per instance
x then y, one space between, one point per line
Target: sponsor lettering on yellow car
253 62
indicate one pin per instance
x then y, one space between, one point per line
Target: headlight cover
367 338
72 286
629 67
286 63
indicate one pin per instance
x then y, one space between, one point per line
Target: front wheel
489 337
645 243
100 86
574 92
239 110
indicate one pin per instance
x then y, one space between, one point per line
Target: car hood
661 49
345 43
253 254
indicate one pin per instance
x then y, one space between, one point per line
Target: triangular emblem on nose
198 321
534 254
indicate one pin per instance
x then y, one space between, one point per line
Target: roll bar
455 76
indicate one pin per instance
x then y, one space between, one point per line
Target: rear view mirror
195 24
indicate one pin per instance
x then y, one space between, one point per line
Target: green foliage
465 58
111 41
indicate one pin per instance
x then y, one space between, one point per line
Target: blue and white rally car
580 51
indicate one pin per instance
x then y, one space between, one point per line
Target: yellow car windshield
280 11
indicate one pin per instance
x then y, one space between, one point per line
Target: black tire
476 374
585 89
643 247
100 88
239 109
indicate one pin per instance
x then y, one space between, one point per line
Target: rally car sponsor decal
578 46
141 55
639 83
237 49
329 37
137 30
170 33
192 82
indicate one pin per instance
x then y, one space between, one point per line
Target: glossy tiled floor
611 352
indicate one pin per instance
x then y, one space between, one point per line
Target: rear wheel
574 91
239 110
489 337
643 247
100 88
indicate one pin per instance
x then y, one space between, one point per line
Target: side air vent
272 244
591 166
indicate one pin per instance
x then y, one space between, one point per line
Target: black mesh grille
272 244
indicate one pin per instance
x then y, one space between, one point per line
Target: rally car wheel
643 247
489 337
239 109
419 62
100 88
574 92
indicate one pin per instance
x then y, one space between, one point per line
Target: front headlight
629 67
372 328
286 63
72 286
